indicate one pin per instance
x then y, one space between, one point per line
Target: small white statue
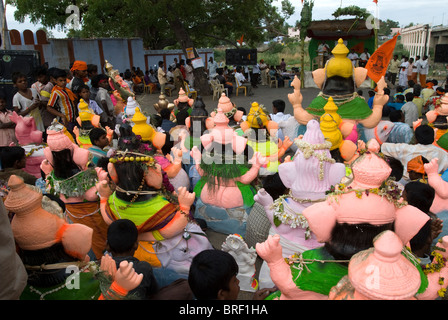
245 258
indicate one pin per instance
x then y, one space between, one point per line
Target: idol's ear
319 77
360 76
112 172
153 177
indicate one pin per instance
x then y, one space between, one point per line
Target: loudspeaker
11 61
241 57
441 54
7 91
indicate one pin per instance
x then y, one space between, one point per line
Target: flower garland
228 114
388 189
30 153
75 186
309 150
439 262
284 214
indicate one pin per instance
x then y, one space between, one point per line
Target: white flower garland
284 214
309 150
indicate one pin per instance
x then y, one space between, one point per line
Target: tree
306 16
386 27
162 23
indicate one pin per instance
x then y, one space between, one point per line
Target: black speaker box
241 57
11 61
441 53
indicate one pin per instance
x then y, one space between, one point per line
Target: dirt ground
263 95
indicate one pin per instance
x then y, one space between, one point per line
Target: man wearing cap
79 71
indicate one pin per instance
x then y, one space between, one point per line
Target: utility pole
6 44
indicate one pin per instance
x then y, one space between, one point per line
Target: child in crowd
98 138
122 242
401 132
43 86
404 152
398 91
13 161
104 100
84 93
416 171
278 109
399 102
7 132
26 101
371 94
167 124
62 101
410 110
418 101
213 274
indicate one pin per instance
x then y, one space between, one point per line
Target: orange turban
416 165
79 65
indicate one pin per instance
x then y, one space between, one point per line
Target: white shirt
404 65
410 112
23 103
364 56
406 152
278 117
423 67
416 66
353 57
212 69
256 69
240 78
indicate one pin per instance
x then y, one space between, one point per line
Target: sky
434 12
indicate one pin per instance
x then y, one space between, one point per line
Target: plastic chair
193 93
238 88
273 81
218 89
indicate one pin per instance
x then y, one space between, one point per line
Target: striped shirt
60 100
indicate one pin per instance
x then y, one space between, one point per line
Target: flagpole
375 33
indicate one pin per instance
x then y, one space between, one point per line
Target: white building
416 39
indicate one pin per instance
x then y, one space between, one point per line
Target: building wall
60 53
416 40
121 53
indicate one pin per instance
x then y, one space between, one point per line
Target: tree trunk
200 77
302 62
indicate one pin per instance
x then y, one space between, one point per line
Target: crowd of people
58 103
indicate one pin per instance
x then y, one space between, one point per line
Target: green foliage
208 23
360 13
385 27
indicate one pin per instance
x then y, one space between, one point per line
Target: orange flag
379 60
241 40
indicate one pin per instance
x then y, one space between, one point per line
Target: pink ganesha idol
339 80
30 139
224 193
70 178
230 111
347 223
51 249
311 173
384 273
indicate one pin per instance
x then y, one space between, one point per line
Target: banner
379 60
